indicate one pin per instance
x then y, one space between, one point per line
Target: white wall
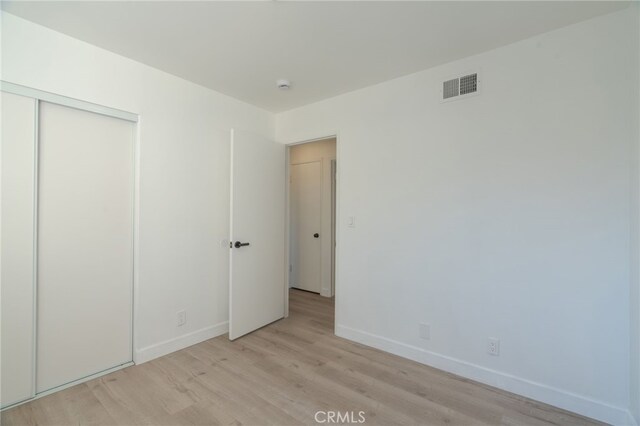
184 173
323 151
504 215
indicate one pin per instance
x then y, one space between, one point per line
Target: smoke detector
283 84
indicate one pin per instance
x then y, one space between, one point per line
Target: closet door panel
85 244
17 248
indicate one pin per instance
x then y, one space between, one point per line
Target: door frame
43 96
336 208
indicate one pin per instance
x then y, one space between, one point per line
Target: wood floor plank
283 374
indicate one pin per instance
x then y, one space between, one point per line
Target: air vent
468 84
450 88
460 87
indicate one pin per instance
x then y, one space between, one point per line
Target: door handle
316 235
238 244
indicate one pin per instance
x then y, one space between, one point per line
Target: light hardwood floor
283 374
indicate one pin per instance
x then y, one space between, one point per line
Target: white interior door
85 244
257 283
306 210
17 334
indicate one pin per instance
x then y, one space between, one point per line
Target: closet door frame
42 96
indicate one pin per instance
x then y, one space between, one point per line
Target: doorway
259 238
311 225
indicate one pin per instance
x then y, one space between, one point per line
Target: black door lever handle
238 244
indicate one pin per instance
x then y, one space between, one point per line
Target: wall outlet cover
424 331
493 346
182 318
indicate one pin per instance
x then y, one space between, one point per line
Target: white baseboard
540 392
163 348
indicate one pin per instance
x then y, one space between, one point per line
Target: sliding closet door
16 336
85 244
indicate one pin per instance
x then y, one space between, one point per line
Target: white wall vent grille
460 87
450 88
468 84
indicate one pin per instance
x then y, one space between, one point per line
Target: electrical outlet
182 318
493 347
424 331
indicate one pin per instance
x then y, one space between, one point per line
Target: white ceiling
324 48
